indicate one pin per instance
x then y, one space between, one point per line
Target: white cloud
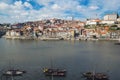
94 7
18 3
80 8
17 10
24 13
26 4
3 5
56 7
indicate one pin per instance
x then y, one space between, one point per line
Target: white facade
91 22
118 19
107 22
112 17
64 34
12 33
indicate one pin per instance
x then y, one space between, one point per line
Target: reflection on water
76 57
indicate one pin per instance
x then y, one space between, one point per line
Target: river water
74 56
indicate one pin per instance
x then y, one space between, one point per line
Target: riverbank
57 39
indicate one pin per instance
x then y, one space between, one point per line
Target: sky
12 11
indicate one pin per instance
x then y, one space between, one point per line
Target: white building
118 19
92 22
12 33
109 17
107 22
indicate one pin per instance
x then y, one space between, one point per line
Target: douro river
74 56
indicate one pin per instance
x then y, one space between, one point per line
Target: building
111 17
107 22
92 22
118 20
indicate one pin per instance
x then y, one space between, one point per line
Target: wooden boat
95 76
13 72
118 43
88 75
54 72
101 76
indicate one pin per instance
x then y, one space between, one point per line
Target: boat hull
95 76
54 72
13 73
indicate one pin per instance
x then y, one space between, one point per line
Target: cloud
27 10
15 12
94 7
56 7
3 5
28 5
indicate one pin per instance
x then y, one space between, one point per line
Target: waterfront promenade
57 39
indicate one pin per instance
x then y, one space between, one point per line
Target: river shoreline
57 39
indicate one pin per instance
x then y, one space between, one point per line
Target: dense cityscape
58 29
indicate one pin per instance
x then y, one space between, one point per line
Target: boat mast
12 77
52 77
51 63
51 67
94 73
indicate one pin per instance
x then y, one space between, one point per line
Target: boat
118 43
101 76
88 75
14 72
54 72
95 76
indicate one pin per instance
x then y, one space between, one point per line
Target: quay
58 39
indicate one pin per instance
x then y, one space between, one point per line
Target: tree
113 27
